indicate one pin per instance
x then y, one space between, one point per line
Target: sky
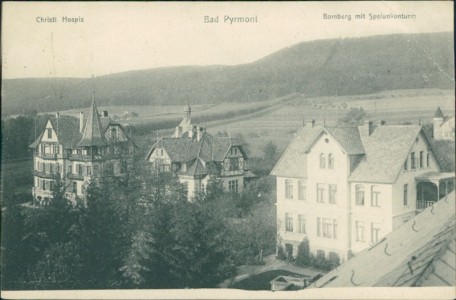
120 36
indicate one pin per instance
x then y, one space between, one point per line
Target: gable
49 134
387 149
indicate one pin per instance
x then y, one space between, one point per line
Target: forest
316 68
137 232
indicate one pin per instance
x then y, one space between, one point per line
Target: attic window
417 140
49 133
327 140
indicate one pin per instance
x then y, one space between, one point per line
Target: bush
281 253
303 258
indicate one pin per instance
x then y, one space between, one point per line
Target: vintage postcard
235 150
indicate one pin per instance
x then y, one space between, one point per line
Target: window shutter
318 226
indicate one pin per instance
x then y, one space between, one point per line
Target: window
301 190
288 222
79 169
322 161
375 196
202 188
413 160
359 195
113 133
184 167
421 159
375 232
405 194
288 189
51 185
43 185
428 158
49 133
332 193
69 169
89 170
301 224
327 228
75 187
234 164
360 231
161 152
406 164
320 193
330 161
320 254
166 169
51 168
233 186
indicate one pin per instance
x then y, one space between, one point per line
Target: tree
303 257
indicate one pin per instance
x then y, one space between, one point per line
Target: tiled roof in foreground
419 253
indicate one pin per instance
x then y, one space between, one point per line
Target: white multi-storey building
345 187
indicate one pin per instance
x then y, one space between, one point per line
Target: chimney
310 123
199 133
105 113
191 131
382 122
367 128
81 121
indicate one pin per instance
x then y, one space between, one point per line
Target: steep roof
386 148
438 113
67 130
293 162
421 252
200 155
383 152
92 134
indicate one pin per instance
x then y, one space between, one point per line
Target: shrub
303 258
281 253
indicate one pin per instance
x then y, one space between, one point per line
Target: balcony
421 205
47 155
75 176
45 174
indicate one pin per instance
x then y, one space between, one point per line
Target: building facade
77 150
443 126
343 188
195 157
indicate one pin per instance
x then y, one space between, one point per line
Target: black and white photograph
228 150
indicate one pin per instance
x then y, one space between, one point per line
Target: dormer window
184 167
49 133
113 133
322 161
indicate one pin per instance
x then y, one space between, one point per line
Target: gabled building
345 187
77 150
195 157
443 126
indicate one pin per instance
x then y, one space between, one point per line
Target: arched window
322 161
330 161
